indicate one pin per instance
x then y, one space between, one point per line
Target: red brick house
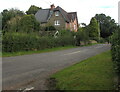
58 18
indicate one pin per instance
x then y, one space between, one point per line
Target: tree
83 24
8 14
107 25
94 29
82 35
14 24
28 23
0 21
33 9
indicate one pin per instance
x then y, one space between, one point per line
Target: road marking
72 53
28 89
99 47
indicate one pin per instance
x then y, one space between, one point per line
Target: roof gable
63 12
43 15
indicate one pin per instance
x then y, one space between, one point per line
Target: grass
9 54
33 52
95 73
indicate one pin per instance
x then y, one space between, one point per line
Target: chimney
52 6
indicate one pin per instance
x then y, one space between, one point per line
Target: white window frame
74 27
57 22
57 13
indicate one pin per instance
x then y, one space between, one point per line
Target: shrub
14 42
29 24
116 49
50 28
82 35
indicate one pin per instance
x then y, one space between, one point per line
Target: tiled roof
44 14
72 15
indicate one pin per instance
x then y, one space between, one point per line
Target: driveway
32 70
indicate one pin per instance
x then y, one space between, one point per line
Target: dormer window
57 13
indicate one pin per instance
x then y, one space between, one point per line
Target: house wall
60 18
75 23
71 25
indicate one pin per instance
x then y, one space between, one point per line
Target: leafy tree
28 24
0 21
82 35
33 9
8 14
50 28
83 24
94 29
14 24
107 25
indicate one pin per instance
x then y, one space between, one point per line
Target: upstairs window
57 13
57 22
74 27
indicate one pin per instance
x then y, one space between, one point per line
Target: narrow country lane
32 70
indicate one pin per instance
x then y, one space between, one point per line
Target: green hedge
14 42
116 49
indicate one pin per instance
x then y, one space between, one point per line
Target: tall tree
0 21
94 29
28 24
107 25
33 9
8 14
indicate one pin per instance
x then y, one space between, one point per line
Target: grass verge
4 54
95 73
9 54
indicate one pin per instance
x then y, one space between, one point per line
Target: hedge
116 49
14 42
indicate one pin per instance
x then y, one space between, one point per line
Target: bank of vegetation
22 32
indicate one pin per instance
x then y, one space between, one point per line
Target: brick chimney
52 6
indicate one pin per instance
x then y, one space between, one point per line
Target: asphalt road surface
30 71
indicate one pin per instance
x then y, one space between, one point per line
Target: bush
29 24
14 42
50 28
116 49
82 35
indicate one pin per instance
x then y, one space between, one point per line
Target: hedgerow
115 48
14 42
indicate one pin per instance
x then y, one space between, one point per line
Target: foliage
82 35
50 28
33 9
0 21
28 24
107 25
13 25
116 49
8 14
94 29
14 42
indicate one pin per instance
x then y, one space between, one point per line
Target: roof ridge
71 12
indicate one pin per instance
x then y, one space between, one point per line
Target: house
57 17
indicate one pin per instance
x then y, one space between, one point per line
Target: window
74 27
57 13
57 22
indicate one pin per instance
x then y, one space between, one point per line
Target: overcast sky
85 8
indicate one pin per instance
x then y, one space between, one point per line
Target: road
32 70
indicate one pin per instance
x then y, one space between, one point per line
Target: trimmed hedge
116 49
14 42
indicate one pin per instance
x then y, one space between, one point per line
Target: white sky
86 9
